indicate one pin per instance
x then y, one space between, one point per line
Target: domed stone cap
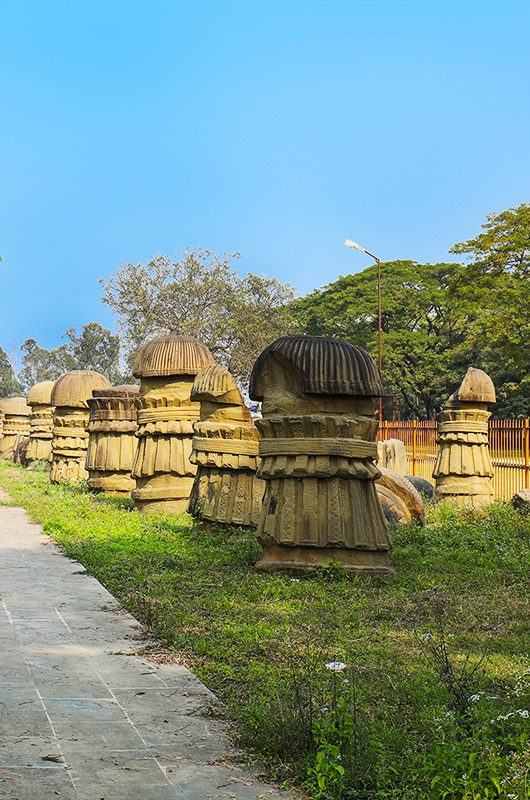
477 387
326 366
215 383
127 390
171 355
74 389
15 405
40 394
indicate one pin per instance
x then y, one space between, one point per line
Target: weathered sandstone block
16 425
70 396
164 475
318 456
225 449
401 501
463 471
41 424
112 441
392 455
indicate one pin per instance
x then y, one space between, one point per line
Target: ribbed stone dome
15 405
213 382
326 366
74 389
40 394
477 387
172 355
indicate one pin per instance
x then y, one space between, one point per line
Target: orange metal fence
509 445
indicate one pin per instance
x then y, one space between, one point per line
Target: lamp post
355 246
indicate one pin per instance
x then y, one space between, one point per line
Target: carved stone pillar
463 471
70 396
16 425
225 449
164 475
112 441
41 424
318 456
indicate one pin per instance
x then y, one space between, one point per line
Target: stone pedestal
225 450
318 456
463 471
391 454
70 396
112 441
162 469
16 425
39 450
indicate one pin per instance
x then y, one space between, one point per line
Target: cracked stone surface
81 715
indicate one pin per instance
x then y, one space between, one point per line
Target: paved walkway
81 716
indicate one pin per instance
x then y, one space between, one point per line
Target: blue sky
274 127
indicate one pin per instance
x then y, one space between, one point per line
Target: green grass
261 641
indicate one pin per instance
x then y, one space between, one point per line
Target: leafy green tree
424 336
200 294
95 347
493 291
9 386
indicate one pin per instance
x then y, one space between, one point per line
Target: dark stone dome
326 366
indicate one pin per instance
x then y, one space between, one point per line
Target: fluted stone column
16 425
318 456
225 450
112 441
164 475
41 424
70 396
463 471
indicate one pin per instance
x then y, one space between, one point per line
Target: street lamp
355 246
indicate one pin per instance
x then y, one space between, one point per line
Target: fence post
414 444
527 454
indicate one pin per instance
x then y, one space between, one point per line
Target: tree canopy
95 347
200 294
438 319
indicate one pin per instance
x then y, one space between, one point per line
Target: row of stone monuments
305 474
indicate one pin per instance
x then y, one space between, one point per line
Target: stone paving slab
82 717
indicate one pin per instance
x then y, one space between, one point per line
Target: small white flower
336 666
324 709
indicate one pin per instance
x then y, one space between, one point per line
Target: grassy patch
262 642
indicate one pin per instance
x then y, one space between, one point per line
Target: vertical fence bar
527 454
414 444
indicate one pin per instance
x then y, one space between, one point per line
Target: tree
493 290
200 294
94 348
9 386
424 336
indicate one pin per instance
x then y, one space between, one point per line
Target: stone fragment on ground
81 715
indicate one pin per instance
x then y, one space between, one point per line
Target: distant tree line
437 319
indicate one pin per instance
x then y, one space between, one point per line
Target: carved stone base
116 483
39 451
278 558
157 493
68 469
227 496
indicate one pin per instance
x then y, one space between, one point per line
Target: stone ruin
225 450
70 395
392 455
16 426
401 501
463 471
164 475
39 449
112 439
318 456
